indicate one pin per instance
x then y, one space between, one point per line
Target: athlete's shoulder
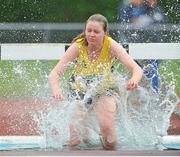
80 41
108 38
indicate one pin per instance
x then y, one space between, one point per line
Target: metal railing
64 32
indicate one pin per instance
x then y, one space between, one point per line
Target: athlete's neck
93 49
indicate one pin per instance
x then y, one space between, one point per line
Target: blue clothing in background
127 13
150 69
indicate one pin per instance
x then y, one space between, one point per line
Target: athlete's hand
57 95
131 84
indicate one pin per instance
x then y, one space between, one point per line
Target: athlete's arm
71 53
117 51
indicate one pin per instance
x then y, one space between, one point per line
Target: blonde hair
95 17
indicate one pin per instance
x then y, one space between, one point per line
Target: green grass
28 78
170 70
23 78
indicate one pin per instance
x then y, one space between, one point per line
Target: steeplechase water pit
29 118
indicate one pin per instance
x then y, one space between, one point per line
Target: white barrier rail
22 142
53 51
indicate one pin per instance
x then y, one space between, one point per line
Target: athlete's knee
106 129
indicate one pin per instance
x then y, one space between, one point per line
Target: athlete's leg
74 135
105 112
77 126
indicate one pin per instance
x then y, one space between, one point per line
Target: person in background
94 51
130 10
143 13
140 13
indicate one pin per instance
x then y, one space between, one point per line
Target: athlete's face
94 32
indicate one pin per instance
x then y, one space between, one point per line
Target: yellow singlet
101 64
85 67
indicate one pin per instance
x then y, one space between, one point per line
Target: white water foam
142 118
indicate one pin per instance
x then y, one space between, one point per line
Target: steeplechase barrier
53 51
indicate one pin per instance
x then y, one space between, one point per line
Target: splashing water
142 117
141 121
